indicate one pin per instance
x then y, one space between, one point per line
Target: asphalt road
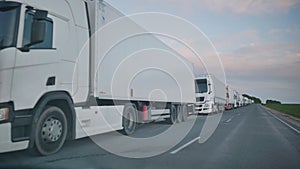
248 137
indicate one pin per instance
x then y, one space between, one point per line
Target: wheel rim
51 130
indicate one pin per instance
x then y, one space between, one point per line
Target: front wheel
51 131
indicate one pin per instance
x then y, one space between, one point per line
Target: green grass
291 109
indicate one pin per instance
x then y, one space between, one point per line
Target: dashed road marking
185 145
227 121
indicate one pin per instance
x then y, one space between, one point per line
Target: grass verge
291 109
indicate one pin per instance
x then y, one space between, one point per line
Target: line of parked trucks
235 100
57 76
212 95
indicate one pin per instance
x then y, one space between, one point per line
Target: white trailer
59 81
239 100
236 99
230 98
243 100
246 101
210 95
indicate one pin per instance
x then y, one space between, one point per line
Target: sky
258 40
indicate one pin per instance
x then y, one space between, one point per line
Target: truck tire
173 115
180 113
184 112
51 131
129 119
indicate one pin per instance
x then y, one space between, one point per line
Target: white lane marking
185 145
291 127
227 121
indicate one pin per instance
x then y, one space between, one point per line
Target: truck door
36 65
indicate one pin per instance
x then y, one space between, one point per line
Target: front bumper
204 111
6 144
15 131
200 108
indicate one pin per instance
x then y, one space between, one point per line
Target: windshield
201 86
9 19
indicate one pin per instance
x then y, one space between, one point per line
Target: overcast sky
258 40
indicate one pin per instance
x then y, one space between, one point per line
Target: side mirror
38 32
38 29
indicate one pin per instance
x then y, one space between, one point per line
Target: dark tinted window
201 86
47 44
9 23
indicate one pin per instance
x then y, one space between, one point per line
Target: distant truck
230 98
57 84
248 101
237 99
241 102
210 95
245 101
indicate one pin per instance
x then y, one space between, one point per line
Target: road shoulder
294 120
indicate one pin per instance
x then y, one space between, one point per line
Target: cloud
240 6
259 58
232 41
251 6
234 6
284 33
261 69
250 57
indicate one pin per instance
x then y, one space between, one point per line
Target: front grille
198 108
199 99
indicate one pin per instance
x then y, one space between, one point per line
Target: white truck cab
210 95
40 42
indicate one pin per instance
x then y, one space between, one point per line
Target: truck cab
204 95
39 48
210 95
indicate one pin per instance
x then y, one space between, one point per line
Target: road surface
248 137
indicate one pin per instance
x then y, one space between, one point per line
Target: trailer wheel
179 113
51 131
184 112
173 115
129 120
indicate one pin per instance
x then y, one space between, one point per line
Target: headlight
4 114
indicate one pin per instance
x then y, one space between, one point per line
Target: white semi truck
230 98
236 99
210 95
248 101
60 79
244 100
